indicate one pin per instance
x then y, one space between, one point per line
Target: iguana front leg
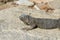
29 28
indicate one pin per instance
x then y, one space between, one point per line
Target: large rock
5 1
55 4
10 25
24 2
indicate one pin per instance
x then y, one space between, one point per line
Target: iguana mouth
27 23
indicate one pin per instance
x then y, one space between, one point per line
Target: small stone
24 2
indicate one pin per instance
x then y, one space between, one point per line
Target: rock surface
24 2
55 4
10 25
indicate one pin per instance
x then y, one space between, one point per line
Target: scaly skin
38 22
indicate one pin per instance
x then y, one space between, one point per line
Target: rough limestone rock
5 1
24 2
10 25
55 4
